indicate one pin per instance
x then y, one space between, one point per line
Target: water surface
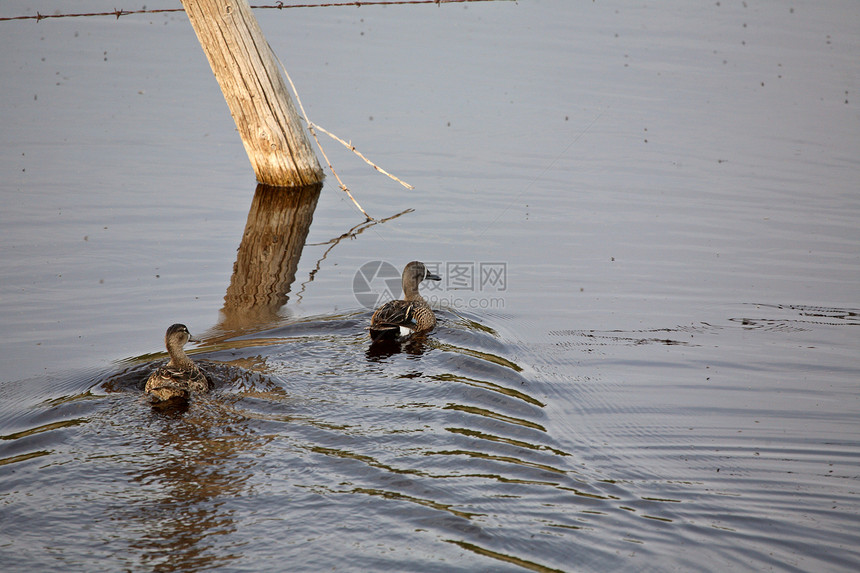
666 378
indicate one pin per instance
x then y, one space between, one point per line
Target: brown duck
401 318
179 377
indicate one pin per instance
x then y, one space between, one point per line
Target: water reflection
352 233
199 465
265 267
380 350
275 234
523 563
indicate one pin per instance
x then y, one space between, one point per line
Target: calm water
646 360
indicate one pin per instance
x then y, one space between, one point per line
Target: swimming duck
179 377
401 318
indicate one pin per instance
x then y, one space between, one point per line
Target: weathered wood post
250 78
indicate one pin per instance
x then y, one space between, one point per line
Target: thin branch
312 128
313 133
352 148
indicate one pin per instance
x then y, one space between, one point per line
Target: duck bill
432 277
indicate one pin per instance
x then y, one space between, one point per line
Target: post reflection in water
265 268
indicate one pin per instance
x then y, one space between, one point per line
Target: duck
399 319
180 376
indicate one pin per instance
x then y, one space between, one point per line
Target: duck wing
388 319
393 313
169 382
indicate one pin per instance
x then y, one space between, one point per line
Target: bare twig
312 128
313 133
352 148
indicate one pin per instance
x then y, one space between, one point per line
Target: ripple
462 438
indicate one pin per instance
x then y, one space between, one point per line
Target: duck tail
384 332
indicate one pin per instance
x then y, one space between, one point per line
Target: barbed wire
277 6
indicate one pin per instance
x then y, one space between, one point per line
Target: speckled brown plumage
180 376
400 318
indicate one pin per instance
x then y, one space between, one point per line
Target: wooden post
250 78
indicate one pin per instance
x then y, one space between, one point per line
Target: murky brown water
646 219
